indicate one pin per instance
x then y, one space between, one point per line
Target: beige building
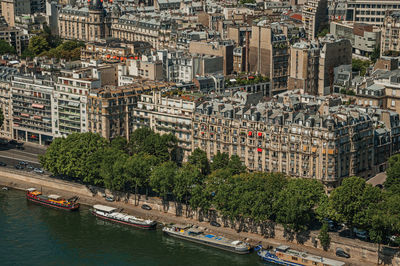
370 11
88 24
317 141
6 108
391 33
304 67
110 110
167 115
221 48
314 16
334 52
269 54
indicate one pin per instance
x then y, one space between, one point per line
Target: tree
236 165
113 173
360 66
323 32
199 159
296 202
324 237
393 172
186 179
351 202
138 170
119 143
6 48
375 54
220 161
38 44
162 178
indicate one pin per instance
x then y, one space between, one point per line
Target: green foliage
69 50
376 54
144 140
352 201
242 2
38 44
162 178
360 66
186 179
295 203
323 32
393 172
347 92
6 48
200 160
324 237
220 161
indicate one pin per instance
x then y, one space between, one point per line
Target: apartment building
32 108
71 97
167 115
143 67
154 29
391 33
110 109
269 54
314 16
334 53
364 38
220 48
89 24
304 67
321 140
12 36
370 11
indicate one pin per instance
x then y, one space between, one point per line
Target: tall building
304 67
12 36
370 11
31 108
87 24
12 8
110 110
269 55
315 17
391 33
334 52
167 115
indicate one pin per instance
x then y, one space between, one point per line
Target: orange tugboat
54 201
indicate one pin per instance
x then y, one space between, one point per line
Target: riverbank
48 185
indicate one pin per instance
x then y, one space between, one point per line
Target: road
10 155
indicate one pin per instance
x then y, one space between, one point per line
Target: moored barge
284 255
111 214
54 201
197 235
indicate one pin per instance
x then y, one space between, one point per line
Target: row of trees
148 162
46 44
6 48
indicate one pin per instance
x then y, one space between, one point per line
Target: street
10 155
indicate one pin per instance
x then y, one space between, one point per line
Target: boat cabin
33 191
104 209
303 258
54 197
195 231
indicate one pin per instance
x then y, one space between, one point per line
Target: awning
35 105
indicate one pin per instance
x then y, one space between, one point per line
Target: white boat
111 214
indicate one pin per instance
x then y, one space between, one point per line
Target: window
393 103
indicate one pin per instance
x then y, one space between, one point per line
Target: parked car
3 164
13 142
146 207
341 253
361 234
394 240
19 167
29 167
332 225
110 198
214 223
38 171
22 163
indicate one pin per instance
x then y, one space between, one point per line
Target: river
36 235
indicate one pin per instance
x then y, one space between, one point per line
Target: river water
36 235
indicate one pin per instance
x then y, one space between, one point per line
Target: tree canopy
6 48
